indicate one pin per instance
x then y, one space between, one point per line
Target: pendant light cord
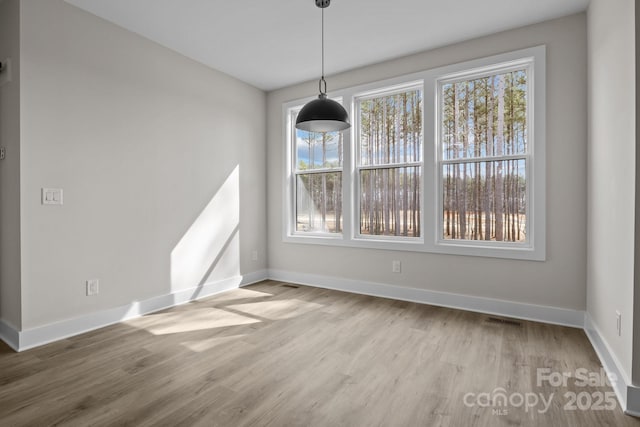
322 80
322 32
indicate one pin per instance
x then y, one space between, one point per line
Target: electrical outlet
93 287
396 266
3 153
254 255
619 322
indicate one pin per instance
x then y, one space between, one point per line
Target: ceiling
272 44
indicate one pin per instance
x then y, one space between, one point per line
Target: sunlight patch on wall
210 247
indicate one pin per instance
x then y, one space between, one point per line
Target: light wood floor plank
273 354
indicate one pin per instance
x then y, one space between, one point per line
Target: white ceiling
271 44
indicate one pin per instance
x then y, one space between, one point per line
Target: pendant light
323 114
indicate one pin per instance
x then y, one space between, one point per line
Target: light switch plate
52 196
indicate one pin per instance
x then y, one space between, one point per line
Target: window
449 160
389 161
318 180
484 156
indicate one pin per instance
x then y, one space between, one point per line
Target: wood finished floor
273 355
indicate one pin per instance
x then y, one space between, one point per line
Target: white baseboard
9 335
609 361
538 313
628 394
254 277
34 337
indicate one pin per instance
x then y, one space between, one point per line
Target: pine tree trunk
499 190
488 165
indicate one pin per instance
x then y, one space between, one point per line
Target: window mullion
523 156
316 171
390 166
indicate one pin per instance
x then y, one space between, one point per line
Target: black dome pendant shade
322 114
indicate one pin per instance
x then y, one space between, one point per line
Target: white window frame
295 172
431 203
357 167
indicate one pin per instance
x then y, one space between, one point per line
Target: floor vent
503 321
286 285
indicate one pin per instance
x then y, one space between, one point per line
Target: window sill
526 253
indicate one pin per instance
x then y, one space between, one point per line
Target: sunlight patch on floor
193 320
207 344
240 294
278 309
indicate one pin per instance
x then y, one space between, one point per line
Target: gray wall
161 160
560 280
10 304
611 167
